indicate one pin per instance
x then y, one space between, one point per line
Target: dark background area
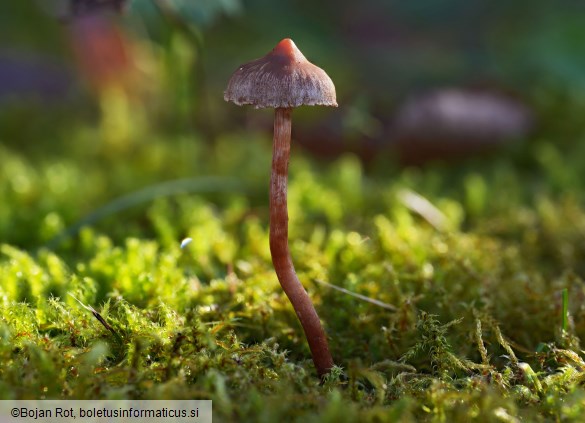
416 75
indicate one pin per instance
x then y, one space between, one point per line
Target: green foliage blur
104 169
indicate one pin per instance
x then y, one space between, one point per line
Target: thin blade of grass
164 189
97 316
565 315
359 296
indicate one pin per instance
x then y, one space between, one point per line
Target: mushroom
284 79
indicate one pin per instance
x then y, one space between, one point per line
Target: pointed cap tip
286 47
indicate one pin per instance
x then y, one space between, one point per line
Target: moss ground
487 290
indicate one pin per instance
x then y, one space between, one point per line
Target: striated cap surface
282 78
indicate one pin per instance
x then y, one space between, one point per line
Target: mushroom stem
279 246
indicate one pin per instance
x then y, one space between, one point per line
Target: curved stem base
279 246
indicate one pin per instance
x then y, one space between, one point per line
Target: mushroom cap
282 78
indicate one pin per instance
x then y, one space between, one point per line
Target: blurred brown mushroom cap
282 78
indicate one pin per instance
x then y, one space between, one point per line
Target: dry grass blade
359 296
96 315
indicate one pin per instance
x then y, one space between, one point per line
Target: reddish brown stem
279 246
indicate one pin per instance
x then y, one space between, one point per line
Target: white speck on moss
186 242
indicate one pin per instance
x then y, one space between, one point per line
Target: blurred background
468 74
116 95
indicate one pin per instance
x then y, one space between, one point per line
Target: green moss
479 329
